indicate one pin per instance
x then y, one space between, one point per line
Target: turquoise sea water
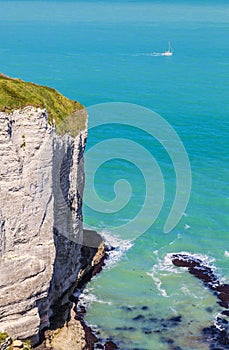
96 52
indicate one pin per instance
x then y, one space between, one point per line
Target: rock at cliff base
17 344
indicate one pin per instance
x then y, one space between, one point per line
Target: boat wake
151 54
166 53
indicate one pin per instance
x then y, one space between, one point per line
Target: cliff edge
42 247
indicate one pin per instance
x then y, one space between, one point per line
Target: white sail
169 52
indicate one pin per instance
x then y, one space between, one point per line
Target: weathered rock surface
41 186
70 336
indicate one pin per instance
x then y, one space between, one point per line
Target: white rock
41 181
17 344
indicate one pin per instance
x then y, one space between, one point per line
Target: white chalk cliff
41 186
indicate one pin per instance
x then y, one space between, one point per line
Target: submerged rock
129 329
146 330
127 308
174 321
144 308
110 345
138 317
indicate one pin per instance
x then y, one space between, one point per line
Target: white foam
217 319
207 260
186 227
226 253
158 283
120 247
174 241
186 291
86 298
165 267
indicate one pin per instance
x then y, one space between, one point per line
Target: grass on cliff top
70 116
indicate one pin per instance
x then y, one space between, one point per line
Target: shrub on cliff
3 336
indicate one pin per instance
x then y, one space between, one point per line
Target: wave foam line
165 266
118 247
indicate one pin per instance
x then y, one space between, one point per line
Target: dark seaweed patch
146 330
127 308
175 319
209 309
145 308
130 329
167 340
139 317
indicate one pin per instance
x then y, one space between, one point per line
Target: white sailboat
169 52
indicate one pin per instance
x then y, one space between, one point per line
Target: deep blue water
97 52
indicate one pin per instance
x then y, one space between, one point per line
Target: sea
157 140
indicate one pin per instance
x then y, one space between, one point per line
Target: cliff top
17 94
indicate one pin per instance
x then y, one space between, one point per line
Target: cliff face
41 185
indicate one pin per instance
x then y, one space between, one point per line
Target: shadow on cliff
75 248
73 267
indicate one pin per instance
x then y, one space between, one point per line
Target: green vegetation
3 336
27 345
17 94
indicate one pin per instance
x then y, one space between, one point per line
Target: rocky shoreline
80 311
76 334
216 335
